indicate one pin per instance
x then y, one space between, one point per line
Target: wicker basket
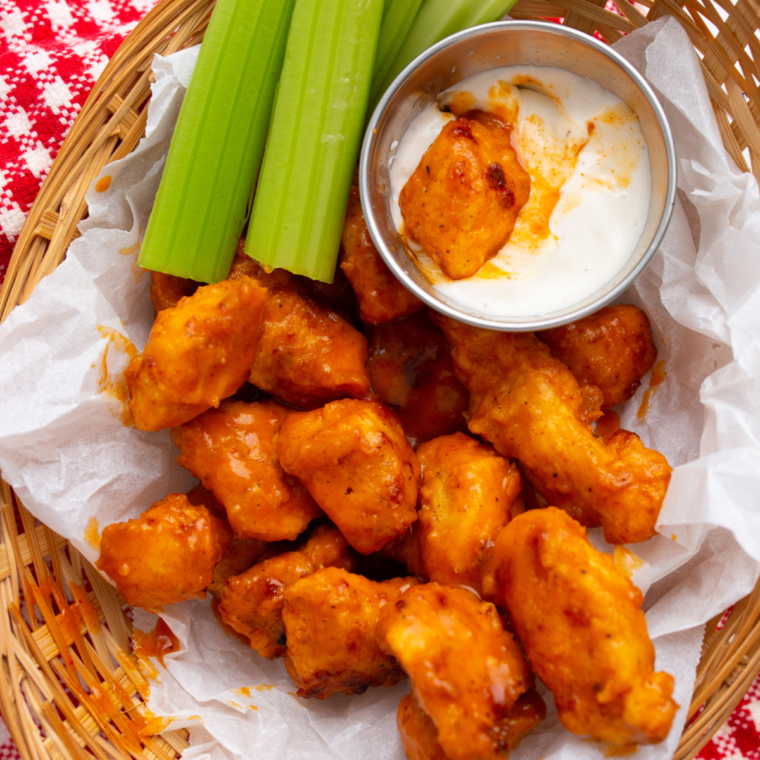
49 646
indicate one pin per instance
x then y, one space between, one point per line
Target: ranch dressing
590 186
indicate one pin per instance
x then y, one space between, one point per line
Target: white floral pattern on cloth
51 53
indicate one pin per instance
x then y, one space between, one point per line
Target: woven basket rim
40 659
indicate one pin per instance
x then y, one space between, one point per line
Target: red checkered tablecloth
51 53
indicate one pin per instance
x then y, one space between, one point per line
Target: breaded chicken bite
411 371
166 290
233 451
354 459
252 601
581 623
612 349
420 736
461 202
307 354
198 353
529 406
166 555
240 554
466 495
331 619
381 296
466 671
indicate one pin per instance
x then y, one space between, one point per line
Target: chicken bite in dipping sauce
356 462
166 555
611 349
307 353
461 202
198 353
233 451
411 371
252 601
331 622
381 296
466 494
530 407
467 672
581 623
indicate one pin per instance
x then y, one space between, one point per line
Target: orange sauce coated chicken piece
612 349
307 353
581 623
166 555
466 495
234 453
331 622
198 353
252 601
381 296
461 202
530 407
356 462
166 290
467 672
411 371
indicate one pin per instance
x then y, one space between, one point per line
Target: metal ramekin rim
539 323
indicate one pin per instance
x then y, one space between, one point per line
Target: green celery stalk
314 140
217 145
397 21
438 19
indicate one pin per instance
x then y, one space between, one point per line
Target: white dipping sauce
603 202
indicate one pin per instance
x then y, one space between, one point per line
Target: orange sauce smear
657 378
607 425
103 184
156 643
92 533
116 386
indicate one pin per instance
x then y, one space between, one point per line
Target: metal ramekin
507 43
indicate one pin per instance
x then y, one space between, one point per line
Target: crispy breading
466 671
581 623
611 349
331 619
411 371
166 555
233 451
252 601
198 353
381 296
354 459
462 200
529 406
466 494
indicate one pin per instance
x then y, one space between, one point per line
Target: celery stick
216 149
314 140
438 19
397 21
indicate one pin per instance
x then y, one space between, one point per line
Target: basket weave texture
70 685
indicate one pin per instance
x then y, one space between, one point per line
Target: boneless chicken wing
354 459
198 353
466 494
331 623
252 601
411 371
381 296
467 672
461 202
529 406
166 555
233 451
612 349
581 623
307 353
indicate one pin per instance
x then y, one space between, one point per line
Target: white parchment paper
64 449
